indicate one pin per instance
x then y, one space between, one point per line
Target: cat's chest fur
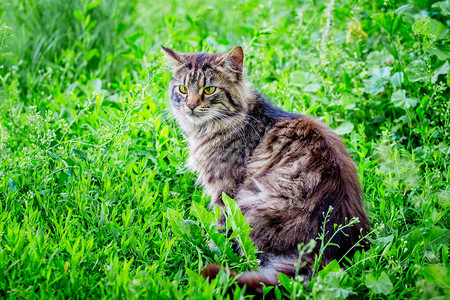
220 161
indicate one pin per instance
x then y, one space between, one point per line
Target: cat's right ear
172 58
234 59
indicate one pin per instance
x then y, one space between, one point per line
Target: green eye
209 90
183 89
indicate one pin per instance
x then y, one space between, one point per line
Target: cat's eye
183 89
209 90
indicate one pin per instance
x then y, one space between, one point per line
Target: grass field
95 198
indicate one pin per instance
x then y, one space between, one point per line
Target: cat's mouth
201 117
194 114
196 117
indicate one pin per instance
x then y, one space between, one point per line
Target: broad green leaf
417 70
378 58
294 287
374 87
431 236
444 148
383 241
399 99
92 53
80 154
312 87
93 5
96 84
348 100
300 78
441 70
69 162
380 285
208 222
52 155
388 21
379 76
344 128
343 293
63 178
329 284
397 79
177 223
79 16
285 281
333 266
442 52
164 132
204 216
404 9
444 6
429 27
437 275
390 49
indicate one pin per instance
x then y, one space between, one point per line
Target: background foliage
95 199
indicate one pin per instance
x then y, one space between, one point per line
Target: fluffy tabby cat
283 169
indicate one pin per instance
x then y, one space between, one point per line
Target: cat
283 169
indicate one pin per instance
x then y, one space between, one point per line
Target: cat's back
295 143
294 174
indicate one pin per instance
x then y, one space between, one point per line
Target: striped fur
283 169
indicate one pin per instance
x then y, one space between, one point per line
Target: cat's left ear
173 58
234 59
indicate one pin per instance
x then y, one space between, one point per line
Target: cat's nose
192 101
192 106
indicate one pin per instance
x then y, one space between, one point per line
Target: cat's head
207 90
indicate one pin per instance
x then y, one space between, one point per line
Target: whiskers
167 118
211 121
228 115
229 123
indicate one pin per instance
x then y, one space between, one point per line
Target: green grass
95 199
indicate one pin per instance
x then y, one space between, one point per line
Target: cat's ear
172 58
234 59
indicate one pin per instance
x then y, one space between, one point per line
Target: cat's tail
254 281
267 275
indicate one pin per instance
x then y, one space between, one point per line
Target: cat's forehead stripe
199 69
192 80
186 79
201 79
196 77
